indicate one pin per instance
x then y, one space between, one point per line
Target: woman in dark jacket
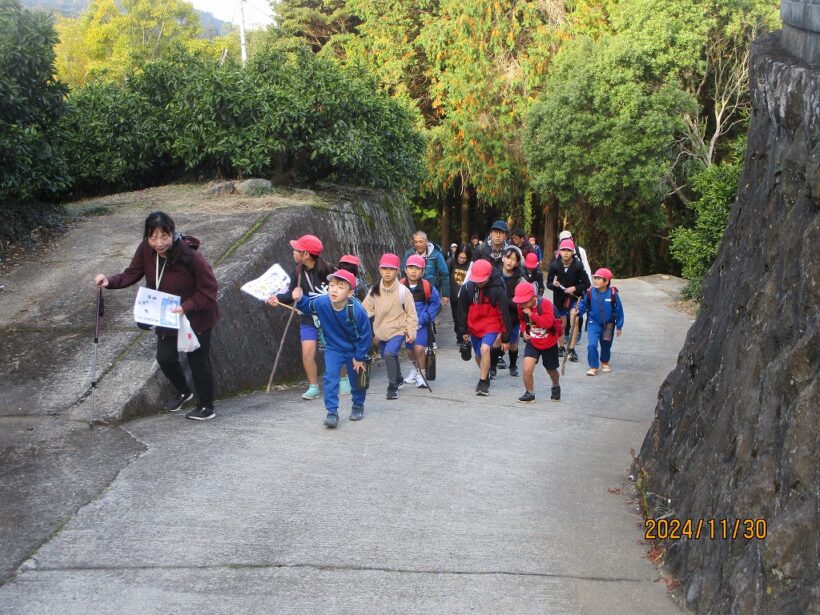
173 264
458 273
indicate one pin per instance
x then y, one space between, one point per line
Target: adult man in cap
435 267
493 248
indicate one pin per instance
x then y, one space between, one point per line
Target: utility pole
242 32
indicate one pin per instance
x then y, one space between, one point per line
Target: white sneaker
412 377
420 381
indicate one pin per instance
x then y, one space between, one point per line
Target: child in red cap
346 331
568 281
311 275
483 316
541 327
428 303
605 318
351 263
394 319
533 273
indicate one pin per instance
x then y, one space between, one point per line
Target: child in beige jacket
391 306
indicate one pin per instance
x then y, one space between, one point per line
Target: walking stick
279 352
293 311
571 346
99 313
421 373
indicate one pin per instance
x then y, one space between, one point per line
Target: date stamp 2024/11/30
713 529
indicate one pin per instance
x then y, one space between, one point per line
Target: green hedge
290 117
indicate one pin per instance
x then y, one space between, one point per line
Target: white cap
565 235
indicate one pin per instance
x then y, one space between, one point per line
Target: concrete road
435 503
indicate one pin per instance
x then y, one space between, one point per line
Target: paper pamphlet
274 281
153 307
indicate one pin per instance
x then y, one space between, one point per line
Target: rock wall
245 342
735 434
47 315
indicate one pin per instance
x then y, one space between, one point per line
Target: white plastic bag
187 340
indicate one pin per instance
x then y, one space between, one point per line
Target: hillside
211 26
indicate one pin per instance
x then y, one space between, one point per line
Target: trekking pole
284 333
421 373
571 347
99 313
279 352
290 307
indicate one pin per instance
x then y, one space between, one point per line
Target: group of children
499 303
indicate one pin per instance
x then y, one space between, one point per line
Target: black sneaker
331 420
478 386
513 371
357 413
573 356
560 352
201 414
483 388
177 401
556 394
392 392
501 363
527 398
492 372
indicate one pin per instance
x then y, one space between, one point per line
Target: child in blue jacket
605 318
348 336
428 303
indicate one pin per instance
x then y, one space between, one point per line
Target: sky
258 13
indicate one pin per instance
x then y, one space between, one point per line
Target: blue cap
500 225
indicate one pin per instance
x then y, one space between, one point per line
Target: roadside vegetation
621 119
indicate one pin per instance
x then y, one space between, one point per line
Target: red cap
531 262
567 244
390 261
308 243
523 292
414 261
604 273
344 275
350 260
481 271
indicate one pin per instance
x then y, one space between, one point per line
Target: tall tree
314 21
112 37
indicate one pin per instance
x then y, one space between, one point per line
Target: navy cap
500 225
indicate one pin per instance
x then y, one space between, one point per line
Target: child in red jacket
541 328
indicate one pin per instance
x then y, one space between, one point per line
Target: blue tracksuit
425 310
600 301
344 341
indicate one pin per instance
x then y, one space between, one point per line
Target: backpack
614 302
424 283
557 322
186 255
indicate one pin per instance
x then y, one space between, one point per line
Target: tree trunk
550 228
465 214
444 220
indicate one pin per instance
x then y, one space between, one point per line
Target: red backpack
424 283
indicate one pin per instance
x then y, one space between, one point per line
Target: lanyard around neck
160 271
